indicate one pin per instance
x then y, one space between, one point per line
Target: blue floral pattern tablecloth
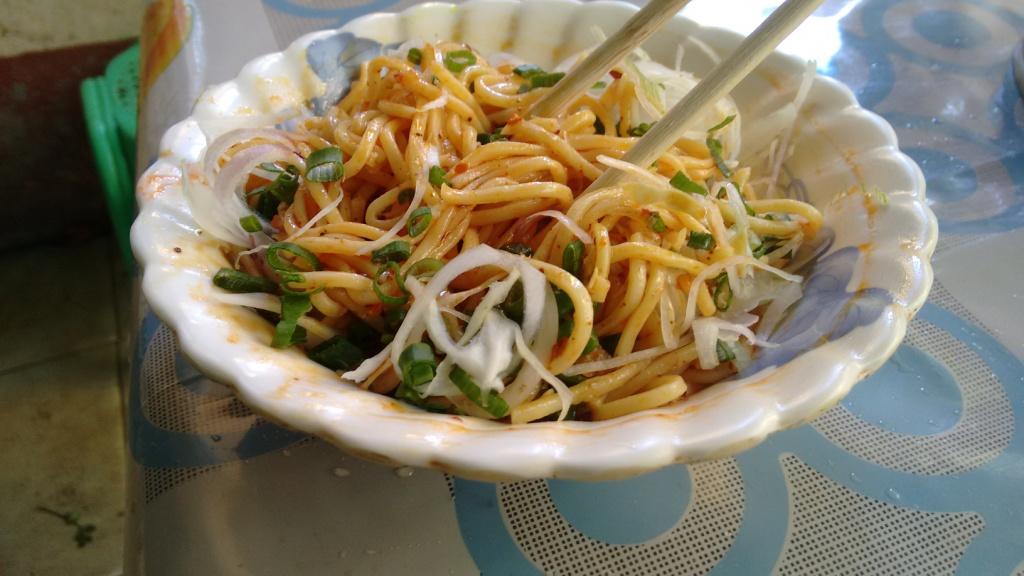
920 470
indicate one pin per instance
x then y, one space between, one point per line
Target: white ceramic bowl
880 252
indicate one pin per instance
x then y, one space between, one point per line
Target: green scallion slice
240 282
701 241
728 120
394 251
325 165
436 176
682 183
723 292
415 55
545 80
725 353
250 224
459 60
656 223
419 221
592 344
293 307
494 404
425 267
518 248
715 148
417 365
527 70
337 353
280 265
390 269
640 129
572 257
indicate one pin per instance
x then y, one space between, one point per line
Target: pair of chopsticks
730 72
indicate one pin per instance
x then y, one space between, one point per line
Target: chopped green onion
325 165
565 327
715 148
282 189
640 129
280 265
436 176
601 85
572 257
728 120
518 248
293 307
336 353
459 60
723 292
425 267
701 241
419 221
545 80
565 309
514 303
494 404
389 300
394 251
405 196
655 222
267 203
527 70
598 126
417 365
415 55
725 353
240 282
250 223
592 344
682 183
270 167
496 136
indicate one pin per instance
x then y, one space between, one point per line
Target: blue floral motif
336 60
826 311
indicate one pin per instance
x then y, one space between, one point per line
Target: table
918 471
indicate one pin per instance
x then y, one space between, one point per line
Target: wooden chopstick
713 87
635 31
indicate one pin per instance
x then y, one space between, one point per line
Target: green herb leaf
394 251
725 353
723 292
459 60
656 223
293 307
240 282
415 55
682 183
436 176
701 241
572 257
494 404
325 165
728 120
518 248
419 221
391 269
250 224
336 353
280 265
715 148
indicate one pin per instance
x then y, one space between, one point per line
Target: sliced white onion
705 337
798 103
226 141
565 221
742 219
206 210
619 361
564 394
714 270
368 366
527 382
667 315
497 294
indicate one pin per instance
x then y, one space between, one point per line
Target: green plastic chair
111 105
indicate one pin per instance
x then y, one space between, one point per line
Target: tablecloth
920 470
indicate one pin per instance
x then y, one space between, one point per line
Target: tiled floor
60 407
